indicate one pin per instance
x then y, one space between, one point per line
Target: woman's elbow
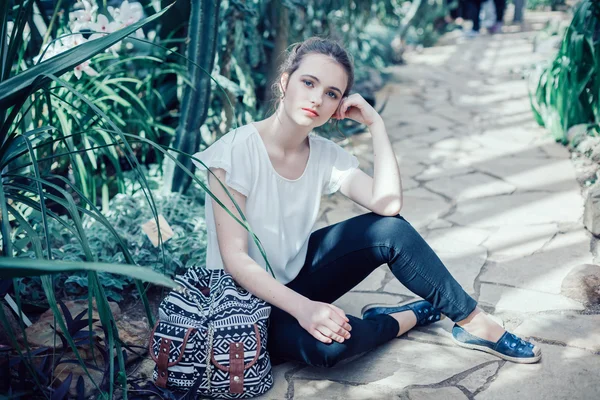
392 208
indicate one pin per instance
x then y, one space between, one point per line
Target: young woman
277 170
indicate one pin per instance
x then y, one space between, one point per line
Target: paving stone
479 377
524 301
374 281
324 389
280 384
511 241
439 224
335 216
567 327
449 393
459 115
438 333
470 186
429 120
410 168
546 270
533 173
421 207
407 145
555 150
443 171
446 239
409 183
400 363
519 209
563 373
456 144
394 286
434 136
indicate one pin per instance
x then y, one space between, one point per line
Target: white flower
85 16
127 14
102 25
84 67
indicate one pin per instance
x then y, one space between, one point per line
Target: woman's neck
280 131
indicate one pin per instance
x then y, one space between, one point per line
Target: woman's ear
283 82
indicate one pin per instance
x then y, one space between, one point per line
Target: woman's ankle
406 320
479 324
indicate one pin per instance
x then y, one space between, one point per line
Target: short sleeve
229 154
340 164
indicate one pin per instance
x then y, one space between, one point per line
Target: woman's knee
391 228
327 355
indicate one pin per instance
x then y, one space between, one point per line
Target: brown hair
314 45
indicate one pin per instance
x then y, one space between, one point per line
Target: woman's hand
358 109
325 322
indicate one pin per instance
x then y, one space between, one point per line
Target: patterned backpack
211 338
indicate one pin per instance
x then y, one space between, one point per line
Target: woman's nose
316 100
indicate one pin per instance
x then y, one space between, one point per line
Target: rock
13 324
576 134
591 213
583 284
40 334
62 371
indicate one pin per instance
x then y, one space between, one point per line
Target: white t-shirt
280 211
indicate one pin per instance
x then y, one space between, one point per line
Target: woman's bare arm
233 246
323 321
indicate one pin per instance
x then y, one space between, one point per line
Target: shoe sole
375 305
518 360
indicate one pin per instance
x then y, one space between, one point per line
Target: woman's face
314 91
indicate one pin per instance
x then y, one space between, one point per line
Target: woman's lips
310 112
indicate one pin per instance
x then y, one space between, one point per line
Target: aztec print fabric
212 322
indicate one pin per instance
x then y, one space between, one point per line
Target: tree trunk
280 17
202 39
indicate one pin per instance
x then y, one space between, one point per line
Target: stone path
499 201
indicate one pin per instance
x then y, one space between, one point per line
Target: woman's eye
307 83
332 95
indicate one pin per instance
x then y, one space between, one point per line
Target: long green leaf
11 267
37 76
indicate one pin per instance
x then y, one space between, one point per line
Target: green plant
27 184
568 89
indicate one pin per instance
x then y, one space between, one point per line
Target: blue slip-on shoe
425 312
509 347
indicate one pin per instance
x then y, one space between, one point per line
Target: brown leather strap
163 362
183 345
236 367
251 363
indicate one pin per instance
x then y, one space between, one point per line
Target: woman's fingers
340 312
338 328
330 334
320 337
